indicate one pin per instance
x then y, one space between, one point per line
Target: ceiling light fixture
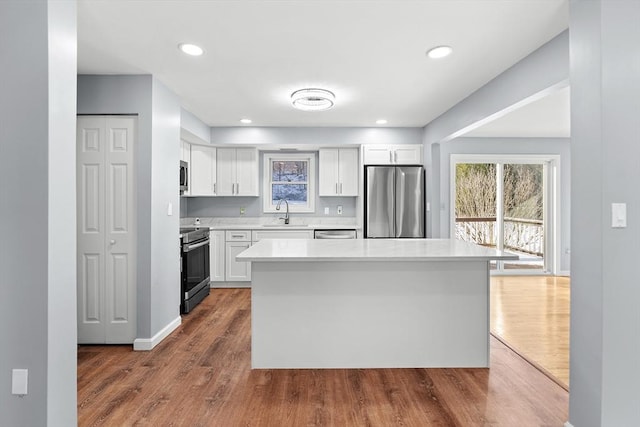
313 99
245 121
439 52
381 121
191 49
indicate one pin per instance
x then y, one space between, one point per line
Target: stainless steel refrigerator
394 203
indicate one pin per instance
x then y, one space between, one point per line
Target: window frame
269 158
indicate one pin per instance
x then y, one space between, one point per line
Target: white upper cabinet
393 154
338 172
203 171
237 172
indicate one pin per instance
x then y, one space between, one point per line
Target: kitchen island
369 303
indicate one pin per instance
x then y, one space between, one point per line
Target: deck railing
520 234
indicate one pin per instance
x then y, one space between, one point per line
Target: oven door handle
189 248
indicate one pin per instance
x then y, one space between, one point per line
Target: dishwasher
334 234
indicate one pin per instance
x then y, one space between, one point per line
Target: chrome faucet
286 215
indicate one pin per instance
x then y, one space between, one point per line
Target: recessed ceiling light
381 121
313 99
439 52
245 121
191 49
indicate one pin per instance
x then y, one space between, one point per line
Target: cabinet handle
239 236
237 188
391 156
395 153
112 242
340 188
337 188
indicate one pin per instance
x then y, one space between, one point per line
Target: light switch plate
339 210
170 209
20 379
326 210
618 215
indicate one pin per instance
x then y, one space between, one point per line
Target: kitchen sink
286 225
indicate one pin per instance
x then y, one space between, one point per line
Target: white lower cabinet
236 242
217 256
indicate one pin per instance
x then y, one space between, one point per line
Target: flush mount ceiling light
313 99
245 121
191 49
381 121
439 52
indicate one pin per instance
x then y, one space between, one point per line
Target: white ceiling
370 53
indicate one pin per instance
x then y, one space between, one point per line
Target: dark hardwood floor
201 376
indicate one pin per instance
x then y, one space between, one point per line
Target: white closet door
106 250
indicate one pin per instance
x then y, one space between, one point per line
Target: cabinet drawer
281 234
238 236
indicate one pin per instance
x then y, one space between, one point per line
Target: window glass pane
293 193
289 171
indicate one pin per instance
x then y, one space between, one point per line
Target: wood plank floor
201 376
531 314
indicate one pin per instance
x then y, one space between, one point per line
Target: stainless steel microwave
184 176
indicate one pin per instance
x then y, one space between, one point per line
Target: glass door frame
551 202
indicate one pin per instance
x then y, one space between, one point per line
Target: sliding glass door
505 204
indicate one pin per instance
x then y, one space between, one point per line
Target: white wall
605 318
37 195
157 153
514 146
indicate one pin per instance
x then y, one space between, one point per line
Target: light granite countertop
272 223
370 250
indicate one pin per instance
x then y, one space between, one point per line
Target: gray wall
37 194
230 206
314 136
605 318
515 146
193 129
303 136
165 153
542 72
158 136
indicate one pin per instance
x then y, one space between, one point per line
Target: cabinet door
216 256
203 170
408 155
378 155
328 172
348 172
246 172
226 172
237 271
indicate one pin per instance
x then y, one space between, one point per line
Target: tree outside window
289 177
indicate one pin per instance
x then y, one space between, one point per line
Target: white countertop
270 250
273 223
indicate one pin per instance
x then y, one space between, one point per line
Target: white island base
370 315
367 311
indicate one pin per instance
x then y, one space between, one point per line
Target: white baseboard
146 344
566 273
225 285
568 424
